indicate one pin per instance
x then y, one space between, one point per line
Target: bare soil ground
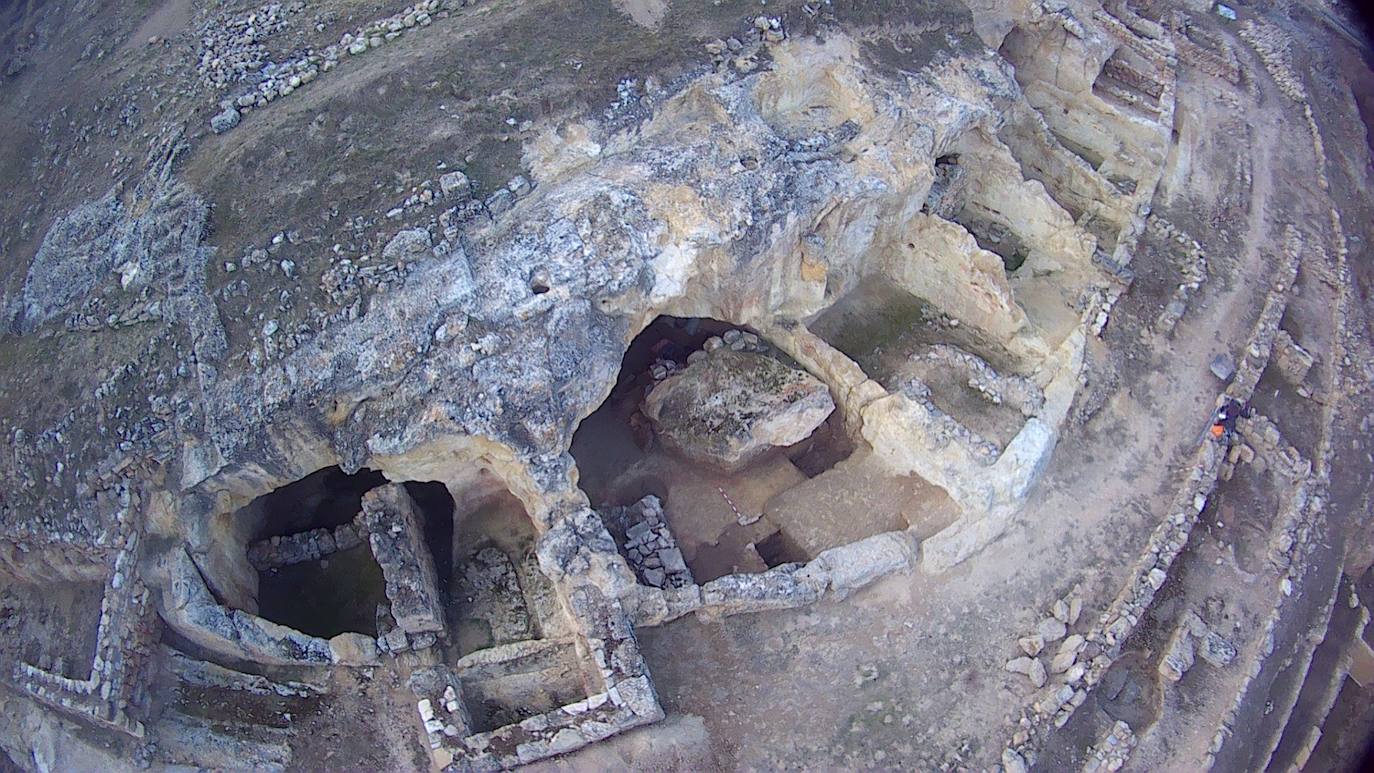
59 622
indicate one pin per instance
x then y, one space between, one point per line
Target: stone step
1326 675
190 741
1299 621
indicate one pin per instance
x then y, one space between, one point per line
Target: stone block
353 649
1216 650
455 184
857 564
224 121
783 587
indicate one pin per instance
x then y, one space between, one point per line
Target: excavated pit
326 597
506 637
526 682
949 199
511 644
1090 156
1069 178
497 594
906 345
1126 83
994 237
333 593
50 626
916 372
1243 513
724 521
316 572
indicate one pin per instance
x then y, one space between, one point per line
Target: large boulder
729 408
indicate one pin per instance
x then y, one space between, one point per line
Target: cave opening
497 592
714 507
436 508
946 195
324 499
315 571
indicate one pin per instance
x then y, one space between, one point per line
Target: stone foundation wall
124 639
304 546
396 533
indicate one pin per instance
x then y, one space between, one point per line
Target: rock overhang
538 363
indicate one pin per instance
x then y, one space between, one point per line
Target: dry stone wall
1054 705
116 688
304 546
395 531
233 53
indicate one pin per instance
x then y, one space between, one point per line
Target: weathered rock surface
193 612
732 407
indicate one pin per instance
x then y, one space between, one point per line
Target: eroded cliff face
748 199
932 209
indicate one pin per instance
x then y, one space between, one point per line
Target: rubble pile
651 549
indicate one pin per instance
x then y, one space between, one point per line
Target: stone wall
1192 263
1052 706
650 546
304 546
395 531
233 49
116 686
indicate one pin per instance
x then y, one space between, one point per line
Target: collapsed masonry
914 306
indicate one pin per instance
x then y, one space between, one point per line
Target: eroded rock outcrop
990 163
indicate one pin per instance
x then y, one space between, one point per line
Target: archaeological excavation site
672 385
